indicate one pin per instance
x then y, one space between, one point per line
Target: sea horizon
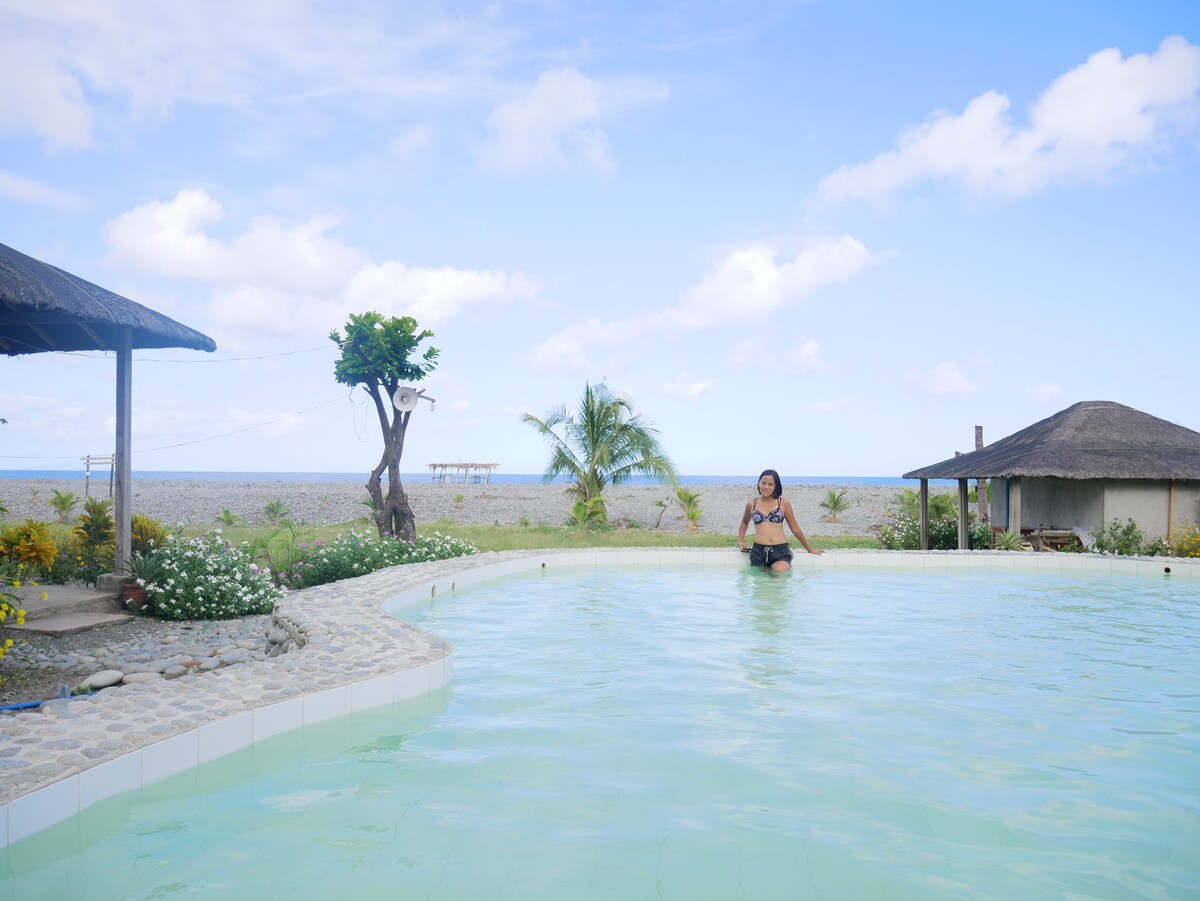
101 475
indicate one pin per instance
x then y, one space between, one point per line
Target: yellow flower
16 583
45 595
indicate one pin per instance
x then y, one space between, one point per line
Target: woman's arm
795 527
742 530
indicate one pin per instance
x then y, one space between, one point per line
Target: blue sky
828 237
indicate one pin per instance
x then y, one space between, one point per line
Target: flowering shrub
1187 542
9 607
356 554
905 535
1126 539
207 578
30 544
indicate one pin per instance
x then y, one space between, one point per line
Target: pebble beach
199 503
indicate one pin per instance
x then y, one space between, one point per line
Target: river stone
135 678
104 678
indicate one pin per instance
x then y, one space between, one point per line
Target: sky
828 238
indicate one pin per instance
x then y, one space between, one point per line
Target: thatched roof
43 308
1094 439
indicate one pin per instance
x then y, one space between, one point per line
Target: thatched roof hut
46 309
1093 439
43 308
1079 469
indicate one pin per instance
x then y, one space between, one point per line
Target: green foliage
941 506
30 546
1187 542
689 503
275 512
904 534
376 351
63 503
228 518
355 554
206 577
1008 541
1127 539
145 533
835 502
146 566
602 443
589 513
96 537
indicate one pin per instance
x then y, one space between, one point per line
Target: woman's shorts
767 554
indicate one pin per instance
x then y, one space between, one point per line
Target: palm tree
602 443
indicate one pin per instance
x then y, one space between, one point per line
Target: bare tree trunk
393 515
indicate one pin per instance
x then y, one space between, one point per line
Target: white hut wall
1062 503
1148 503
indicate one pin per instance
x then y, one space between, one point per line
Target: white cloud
68 66
803 356
1091 122
755 281
412 144
295 279
557 123
24 190
946 378
686 388
569 349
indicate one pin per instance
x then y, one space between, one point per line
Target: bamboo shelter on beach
1079 469
462 472
44 309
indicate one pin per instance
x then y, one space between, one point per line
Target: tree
602 443
376 354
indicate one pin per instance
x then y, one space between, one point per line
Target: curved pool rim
40 806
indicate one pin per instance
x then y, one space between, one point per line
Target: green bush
905 535
356 554
208 578
1126 540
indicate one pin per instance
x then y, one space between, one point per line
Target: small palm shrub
207 577
689 503
835 502
63 503
357 553
275 512
1008 541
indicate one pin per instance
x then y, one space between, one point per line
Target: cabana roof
43 308
1094 439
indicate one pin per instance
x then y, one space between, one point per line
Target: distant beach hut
44 309
1078 470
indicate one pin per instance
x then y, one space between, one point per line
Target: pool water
699 733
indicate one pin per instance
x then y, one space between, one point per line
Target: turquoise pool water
712 733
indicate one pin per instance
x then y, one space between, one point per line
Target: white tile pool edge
43 806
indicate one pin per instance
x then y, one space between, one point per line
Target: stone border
351 655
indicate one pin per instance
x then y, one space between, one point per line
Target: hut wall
1062 503
1148 504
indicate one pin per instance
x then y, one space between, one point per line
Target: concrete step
65 599
69 623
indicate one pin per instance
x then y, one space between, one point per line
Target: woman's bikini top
775 515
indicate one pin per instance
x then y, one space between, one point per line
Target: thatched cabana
1080 468
44 309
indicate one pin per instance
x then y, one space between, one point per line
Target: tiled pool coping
357 659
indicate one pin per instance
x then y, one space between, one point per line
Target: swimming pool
715 733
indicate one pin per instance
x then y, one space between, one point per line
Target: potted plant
144 569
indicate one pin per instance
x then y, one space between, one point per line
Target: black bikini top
775 515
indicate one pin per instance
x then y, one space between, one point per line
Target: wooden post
924 514
964 542
1014 506
981 495
122 464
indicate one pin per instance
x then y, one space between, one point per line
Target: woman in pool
769 511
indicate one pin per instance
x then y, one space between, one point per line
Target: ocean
414 477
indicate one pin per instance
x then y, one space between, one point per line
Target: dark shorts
767 554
